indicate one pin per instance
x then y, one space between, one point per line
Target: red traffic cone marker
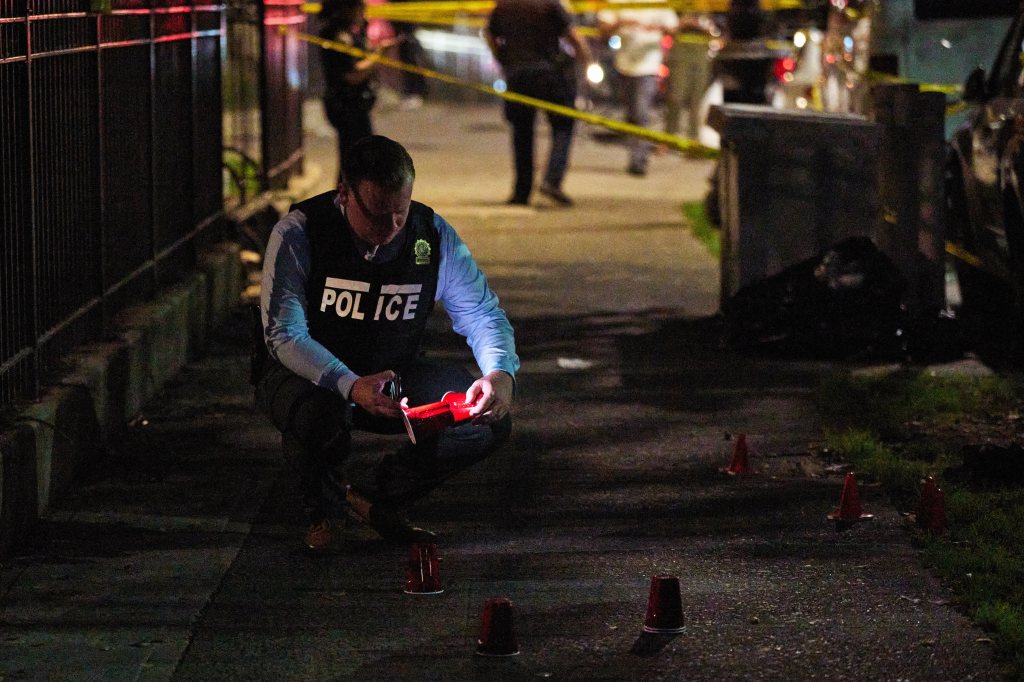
740 463
849 511
927 503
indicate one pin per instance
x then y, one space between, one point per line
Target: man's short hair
379 160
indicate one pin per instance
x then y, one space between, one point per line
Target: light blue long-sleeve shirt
461 287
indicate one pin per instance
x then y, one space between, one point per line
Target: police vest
370 316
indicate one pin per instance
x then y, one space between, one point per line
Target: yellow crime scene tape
590 6
966 256
406 10
445 20
944 88
689 147
579 7
479 22
472 13
459 13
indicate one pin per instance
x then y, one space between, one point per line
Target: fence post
911 159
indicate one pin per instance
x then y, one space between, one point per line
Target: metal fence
284 70
110 167
265 76
113 116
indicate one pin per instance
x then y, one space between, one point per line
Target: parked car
984 178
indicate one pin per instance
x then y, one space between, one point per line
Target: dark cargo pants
316 428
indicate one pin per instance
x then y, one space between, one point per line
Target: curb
70 423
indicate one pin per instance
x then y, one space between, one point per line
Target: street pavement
178 556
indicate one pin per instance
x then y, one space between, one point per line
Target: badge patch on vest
422 250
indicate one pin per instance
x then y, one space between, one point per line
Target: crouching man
349 280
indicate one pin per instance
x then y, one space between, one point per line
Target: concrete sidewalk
179 557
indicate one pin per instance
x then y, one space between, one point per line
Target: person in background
638 60
525 37
350 278
410 51
689 73
350 91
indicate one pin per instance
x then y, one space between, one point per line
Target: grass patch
886 403
895 428
702 228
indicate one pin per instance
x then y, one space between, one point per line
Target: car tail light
784 68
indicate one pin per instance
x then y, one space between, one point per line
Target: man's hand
368 393
491 397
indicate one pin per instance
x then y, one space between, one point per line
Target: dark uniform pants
316 434
352 122
553 83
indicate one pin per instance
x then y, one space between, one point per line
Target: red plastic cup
937 515
927 506
459 407
497 636
423 575
431 419
664 606
427 420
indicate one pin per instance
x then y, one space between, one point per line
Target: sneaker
636 170
319 536
555 194
517 201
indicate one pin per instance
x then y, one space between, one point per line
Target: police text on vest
346 297
398 299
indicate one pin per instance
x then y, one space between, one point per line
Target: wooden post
910 189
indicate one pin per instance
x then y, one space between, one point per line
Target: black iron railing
121 122
110 167
284 71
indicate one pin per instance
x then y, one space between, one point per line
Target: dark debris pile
844 304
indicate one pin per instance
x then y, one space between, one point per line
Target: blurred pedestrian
350 90
410 51
638 60
689 73
350 279
526 39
